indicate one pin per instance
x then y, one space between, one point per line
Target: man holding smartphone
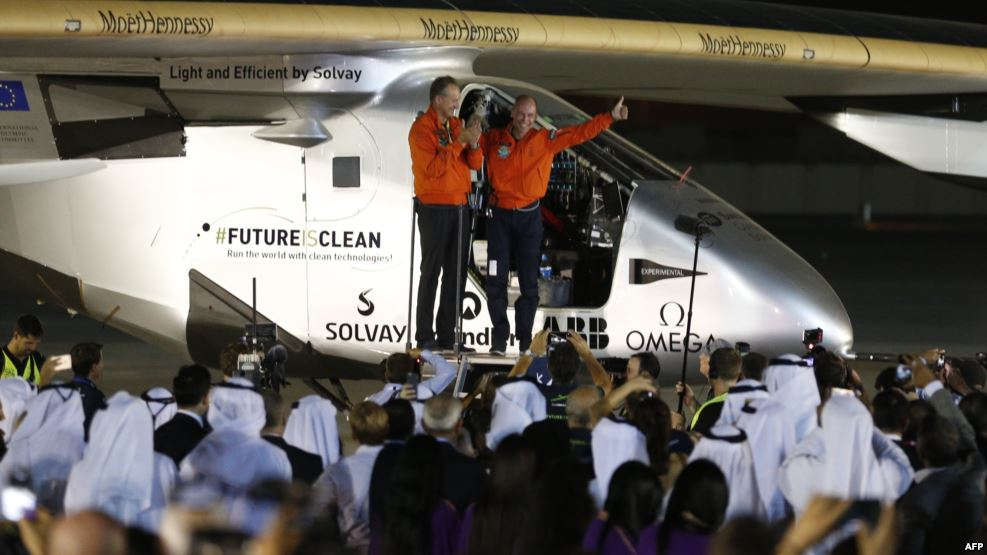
555 359
402 379
21 358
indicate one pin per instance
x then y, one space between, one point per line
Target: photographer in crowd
403 378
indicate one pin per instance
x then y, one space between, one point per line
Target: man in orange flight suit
519 161
442 153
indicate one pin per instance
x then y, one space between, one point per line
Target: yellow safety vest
31 371
695 417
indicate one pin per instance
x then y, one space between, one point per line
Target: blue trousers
517 233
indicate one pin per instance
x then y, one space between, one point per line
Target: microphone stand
411 268
700 230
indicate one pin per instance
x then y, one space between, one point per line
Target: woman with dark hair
653 417
478 412
492 525
416 520
560 513
695 511
633 500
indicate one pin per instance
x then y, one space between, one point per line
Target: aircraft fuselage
319 210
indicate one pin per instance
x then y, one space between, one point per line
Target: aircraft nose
828 311
751 287
842 335
796 297
781 297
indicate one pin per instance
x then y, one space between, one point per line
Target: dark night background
965 12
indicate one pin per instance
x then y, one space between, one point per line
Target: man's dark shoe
448 347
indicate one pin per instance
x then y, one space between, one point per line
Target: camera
556 338
742 347
902 375
248 365
262 333
813 337
265 364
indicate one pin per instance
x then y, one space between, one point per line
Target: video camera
742 347
264 365
812 338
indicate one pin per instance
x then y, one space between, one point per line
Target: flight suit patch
443 137
503 151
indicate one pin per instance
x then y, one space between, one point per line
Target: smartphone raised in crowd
62 362
866 510
17 503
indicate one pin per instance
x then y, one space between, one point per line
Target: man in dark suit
305 467
945 504
890 410
177 437
87 367
400 427
464 477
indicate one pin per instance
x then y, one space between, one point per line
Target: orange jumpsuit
441 167
519 169
441 164
519 172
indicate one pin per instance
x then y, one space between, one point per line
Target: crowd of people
784 455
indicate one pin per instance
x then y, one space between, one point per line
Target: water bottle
546 268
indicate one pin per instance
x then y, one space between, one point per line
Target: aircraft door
241 199
357 294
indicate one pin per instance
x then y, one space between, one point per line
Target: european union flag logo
13 97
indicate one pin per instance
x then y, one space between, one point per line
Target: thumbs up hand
619 111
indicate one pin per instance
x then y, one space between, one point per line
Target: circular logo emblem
672 314
471 305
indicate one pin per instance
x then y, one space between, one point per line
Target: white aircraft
156 158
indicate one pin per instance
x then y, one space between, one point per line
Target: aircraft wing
749 55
